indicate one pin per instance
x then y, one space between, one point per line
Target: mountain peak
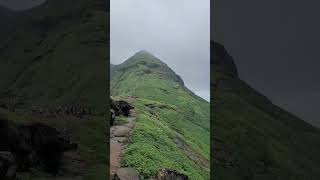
147 54
144 57
150 64
222 58
144 52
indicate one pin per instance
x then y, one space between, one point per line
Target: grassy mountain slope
53 41
56 55
254 139
172 126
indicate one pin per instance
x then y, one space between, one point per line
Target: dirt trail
119 135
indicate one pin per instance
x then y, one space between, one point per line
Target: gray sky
20 4
175 31
275 44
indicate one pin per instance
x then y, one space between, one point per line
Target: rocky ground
120 135
25 147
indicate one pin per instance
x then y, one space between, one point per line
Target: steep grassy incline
55 56
254 139
172 127
54 50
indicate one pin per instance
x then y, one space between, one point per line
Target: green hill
55 57
172 127
254 139
53 52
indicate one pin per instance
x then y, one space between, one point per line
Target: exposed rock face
126 174
168 174
34 145
121 107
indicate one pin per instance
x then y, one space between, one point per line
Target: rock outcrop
31 146
168 174
119 107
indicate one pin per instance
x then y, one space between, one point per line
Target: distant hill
172 128
253 138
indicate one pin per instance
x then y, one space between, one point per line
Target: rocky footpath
119 138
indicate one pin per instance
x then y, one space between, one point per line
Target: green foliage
55 54
47 46
151 148
166 109
120 120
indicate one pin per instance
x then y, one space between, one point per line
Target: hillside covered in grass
172 128
253 139
53 65
52 52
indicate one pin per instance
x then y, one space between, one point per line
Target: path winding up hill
172 128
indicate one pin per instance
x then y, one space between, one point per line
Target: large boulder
121 107
168 174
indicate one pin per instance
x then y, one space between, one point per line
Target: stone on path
121 131
126 174
115 151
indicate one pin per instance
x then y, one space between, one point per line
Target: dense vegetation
55 55
52 52
252 138
172 127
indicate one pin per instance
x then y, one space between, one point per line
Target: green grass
65 63
121 120
176 112
56 55
151 148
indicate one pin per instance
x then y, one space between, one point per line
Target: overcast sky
275 45
20 4
175 31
